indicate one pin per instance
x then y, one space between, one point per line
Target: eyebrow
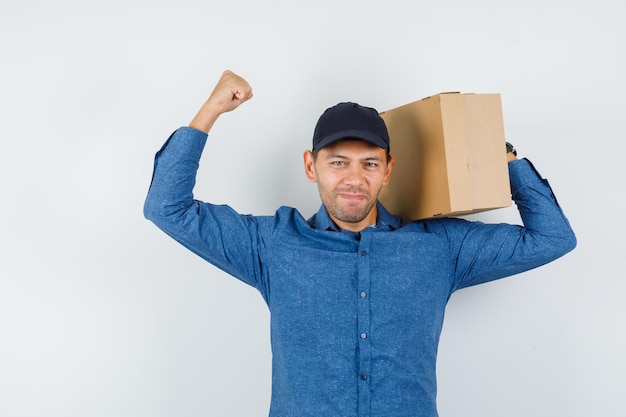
338 155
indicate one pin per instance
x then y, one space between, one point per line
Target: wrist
511 153
205 118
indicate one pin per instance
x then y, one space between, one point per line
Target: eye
338 163
371 165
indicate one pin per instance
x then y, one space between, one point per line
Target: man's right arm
216 233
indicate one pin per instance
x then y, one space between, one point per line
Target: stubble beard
349 213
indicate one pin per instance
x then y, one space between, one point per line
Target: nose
354 175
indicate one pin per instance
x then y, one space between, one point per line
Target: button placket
363 324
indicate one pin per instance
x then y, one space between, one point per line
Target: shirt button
363 294
363 377
363 336
362 253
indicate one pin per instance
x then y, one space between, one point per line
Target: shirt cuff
185 140
523 172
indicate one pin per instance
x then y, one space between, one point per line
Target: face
349 175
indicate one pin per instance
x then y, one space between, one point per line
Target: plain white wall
101 314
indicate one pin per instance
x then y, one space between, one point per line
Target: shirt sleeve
485 252
216 233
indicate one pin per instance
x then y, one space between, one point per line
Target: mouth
352 196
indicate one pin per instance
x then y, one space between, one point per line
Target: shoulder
444 225
284 218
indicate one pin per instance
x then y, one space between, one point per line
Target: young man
356 295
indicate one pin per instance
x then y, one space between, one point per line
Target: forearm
205 118
174 175
544 222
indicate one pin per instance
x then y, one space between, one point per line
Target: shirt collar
385 221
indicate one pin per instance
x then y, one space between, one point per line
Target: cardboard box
450 156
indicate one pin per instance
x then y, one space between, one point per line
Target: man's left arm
490 251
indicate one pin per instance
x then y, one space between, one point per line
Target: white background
101 314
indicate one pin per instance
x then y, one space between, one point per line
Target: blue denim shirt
355 317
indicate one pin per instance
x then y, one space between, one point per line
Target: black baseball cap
350 121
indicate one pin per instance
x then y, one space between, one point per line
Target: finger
242 94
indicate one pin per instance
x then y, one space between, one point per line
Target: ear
390 165
309 166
